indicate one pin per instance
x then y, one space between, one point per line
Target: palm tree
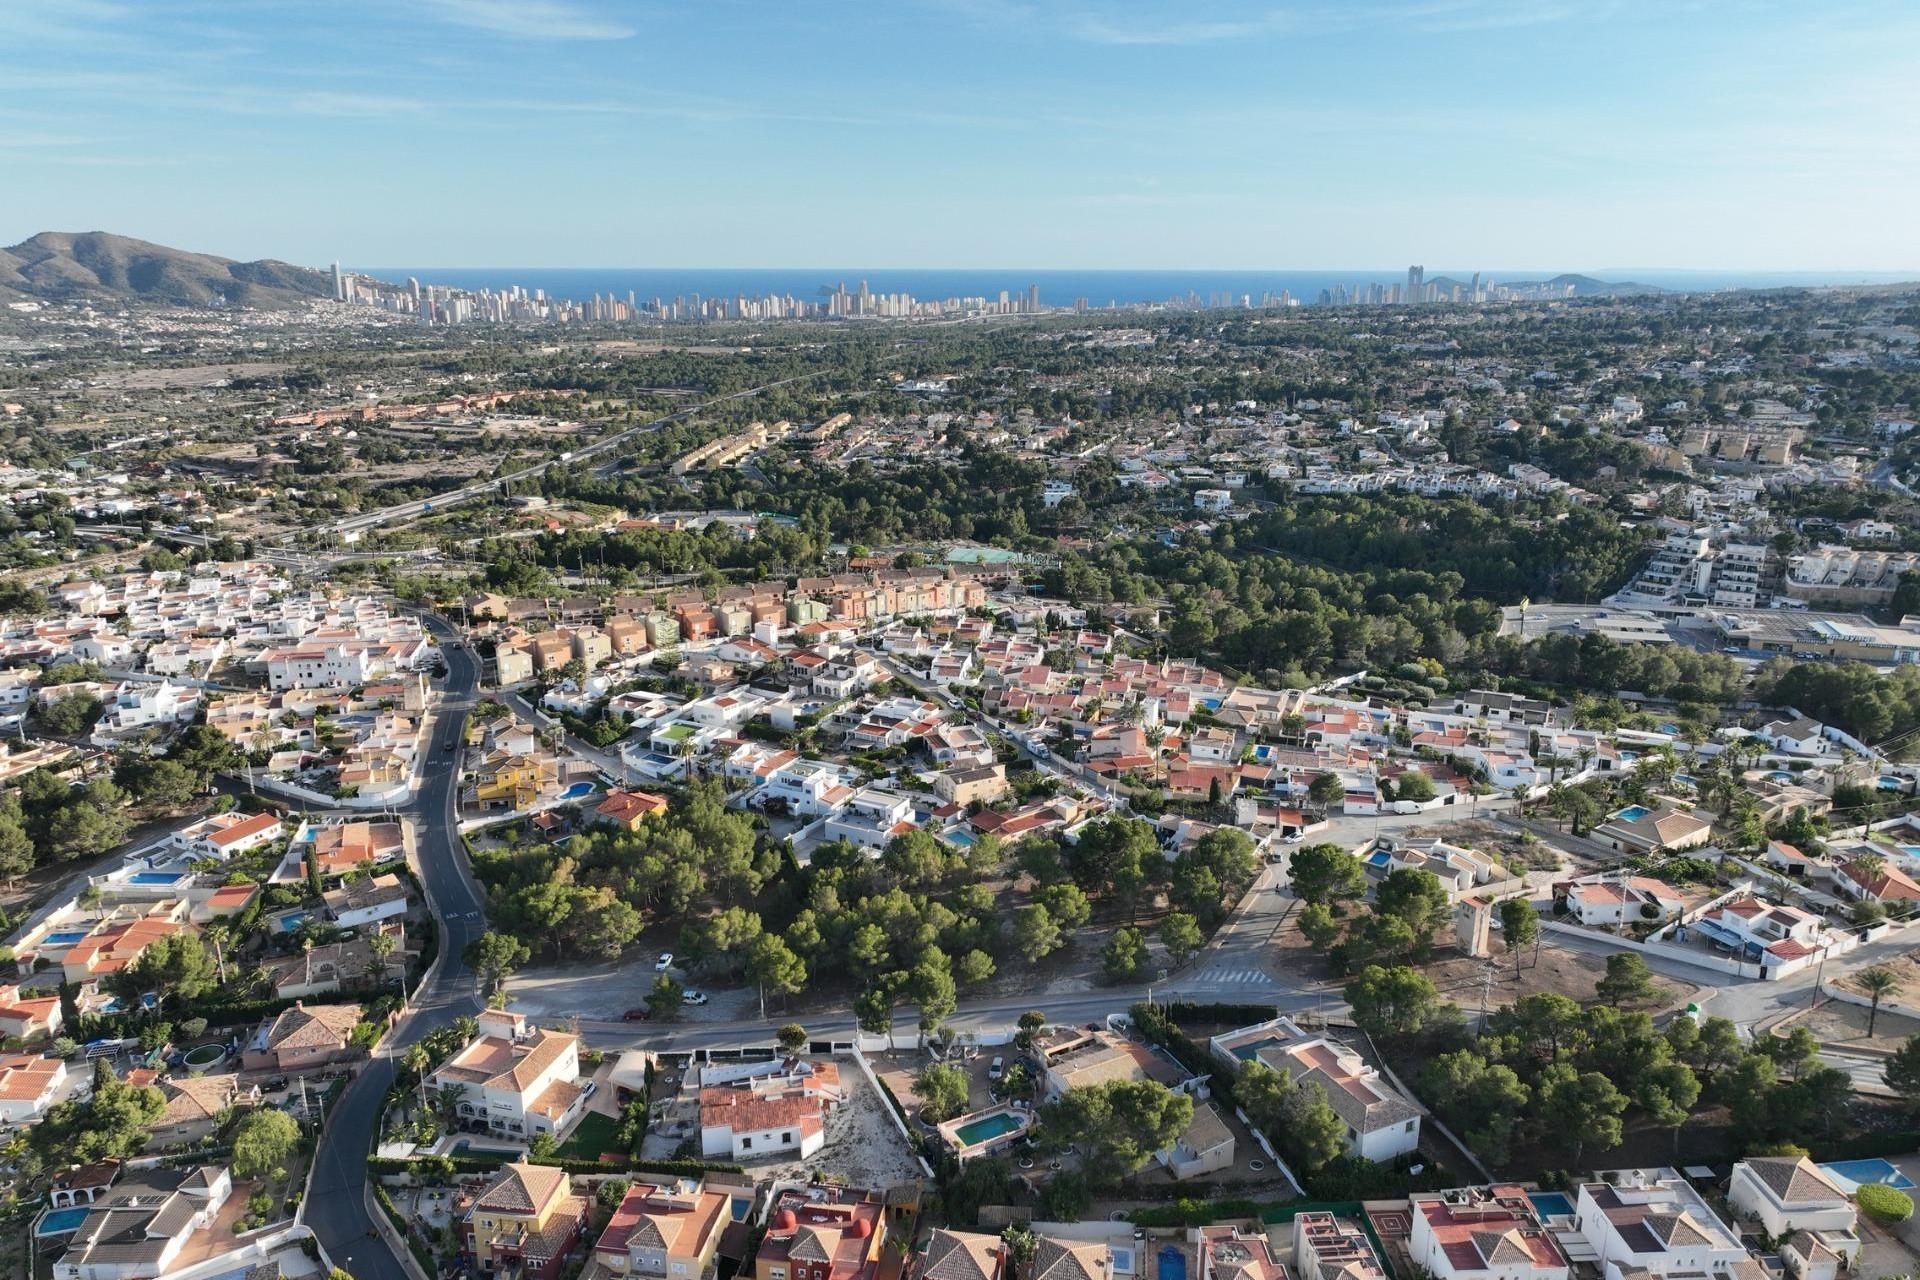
1878 983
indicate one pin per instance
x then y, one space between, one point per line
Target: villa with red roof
1483 1233
667 1230
823 1233
1381 1122
516 1080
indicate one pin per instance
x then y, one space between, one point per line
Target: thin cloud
530 19
1103 31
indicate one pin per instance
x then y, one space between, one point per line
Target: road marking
1246 976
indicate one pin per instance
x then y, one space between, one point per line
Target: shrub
1884 1204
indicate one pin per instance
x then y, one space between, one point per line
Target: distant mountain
1586 286
57 265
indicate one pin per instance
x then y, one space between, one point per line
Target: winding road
336 1202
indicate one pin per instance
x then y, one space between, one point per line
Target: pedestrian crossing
1227 977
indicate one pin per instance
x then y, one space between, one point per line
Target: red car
640 1014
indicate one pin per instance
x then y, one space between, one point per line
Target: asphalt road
335 1206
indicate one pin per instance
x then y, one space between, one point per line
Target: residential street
336 1201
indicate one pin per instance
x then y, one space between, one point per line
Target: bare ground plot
863 1144
1906 971
189 376
1573 974
1461 978
1498 841
1838 1023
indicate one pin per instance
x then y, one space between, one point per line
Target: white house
138 705
28 1086
1381 1122
137 1228
515 1080
318 666
870 818
1483 1233
227 835
1609 898
1652 1220
367 900
1801 737
752 1110
1790 1193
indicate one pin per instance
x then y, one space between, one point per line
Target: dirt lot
1568 973
1460 977
1837 1023
1498 841
1906 968
192 376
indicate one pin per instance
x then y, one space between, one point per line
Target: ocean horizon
1058 288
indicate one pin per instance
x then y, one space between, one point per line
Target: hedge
1244 1015
1884 1204
447 1166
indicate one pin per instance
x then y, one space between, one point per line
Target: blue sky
1554 134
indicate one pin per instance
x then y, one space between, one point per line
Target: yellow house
525 1223
515 782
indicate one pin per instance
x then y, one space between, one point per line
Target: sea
1057 288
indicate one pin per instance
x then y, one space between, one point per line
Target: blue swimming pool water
577 790
1633 812
1170 1264
1669 728
66 937
987 1127
1865 1171
156 877
1911 850
60 1221
1551 1204
964 838
1890 784
1779 775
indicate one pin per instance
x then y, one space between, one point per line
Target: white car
690 996
664 963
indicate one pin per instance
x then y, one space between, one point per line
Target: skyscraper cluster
443 304
1420 289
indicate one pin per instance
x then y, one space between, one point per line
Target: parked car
690 996
664 963
638 1014
996 1068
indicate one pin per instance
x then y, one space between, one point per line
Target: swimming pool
1633 813
961 838
157 877
1779 775
66 937
1855 1173
987 1128
1892 784
56 1222
577 790
1551 1204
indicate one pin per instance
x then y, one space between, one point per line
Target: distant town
1225 789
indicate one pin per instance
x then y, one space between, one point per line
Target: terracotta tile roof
522 1189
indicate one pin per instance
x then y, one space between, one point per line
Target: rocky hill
56 265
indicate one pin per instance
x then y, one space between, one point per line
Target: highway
335 1206
414 510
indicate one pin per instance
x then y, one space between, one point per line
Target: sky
1549 134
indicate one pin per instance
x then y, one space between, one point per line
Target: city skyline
973 133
